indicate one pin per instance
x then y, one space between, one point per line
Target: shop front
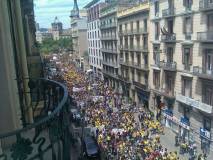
143 98
169 120
205 137
179 126
184 130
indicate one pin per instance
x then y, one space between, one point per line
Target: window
208 94
138 25
131 26
170 24
120 28
187 57
187 25
138 59
169 84
157 30
169 54
207 124
156 8
131 42
139 76
156 79
145 25
125 27
210 22
209 61
133 75
186 87
145 42
187 4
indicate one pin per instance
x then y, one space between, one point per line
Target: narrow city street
122 130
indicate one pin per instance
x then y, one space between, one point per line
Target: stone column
21 49
9 96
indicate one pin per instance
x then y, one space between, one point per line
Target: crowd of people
122 130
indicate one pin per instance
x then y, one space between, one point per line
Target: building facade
57 28
94 35
19 62
79 36
109 40
181 67
133 24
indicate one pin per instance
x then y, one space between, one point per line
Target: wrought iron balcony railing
203 73
205 5
108 50
144 87
109 63
168 37
110 25
133 31
48 136
109 37
171 66
110 74
205 36
165 92
124 79
137 65
168 12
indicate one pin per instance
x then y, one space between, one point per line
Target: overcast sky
46 10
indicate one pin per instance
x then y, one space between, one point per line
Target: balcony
169 66
108 38
125 47
205 5
168 37
38 140
138 48
203 73
194 103
108 26
112 64
124 79
143 87
140 66
165 92
168 12
205 36
109 74
156 65
126 63
107 50
136 65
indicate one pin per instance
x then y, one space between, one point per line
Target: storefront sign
194 103
204 133
175 120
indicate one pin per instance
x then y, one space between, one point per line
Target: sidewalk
168 141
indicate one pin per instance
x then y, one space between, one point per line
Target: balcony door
169 54
208 95
170 24
156 55
171 4
209 61
186 87
210 22
169 85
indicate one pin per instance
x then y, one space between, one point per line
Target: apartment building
133 24
181 73
109 40
79 36
94 35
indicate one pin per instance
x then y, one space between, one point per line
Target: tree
49 46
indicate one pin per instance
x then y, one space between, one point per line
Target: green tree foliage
49 46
